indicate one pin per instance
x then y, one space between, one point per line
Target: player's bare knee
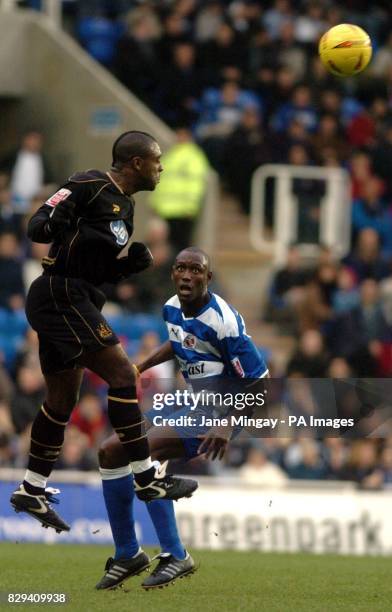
104 456
110 454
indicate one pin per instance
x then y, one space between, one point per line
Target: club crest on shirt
189 342
104 331
59 196
119 230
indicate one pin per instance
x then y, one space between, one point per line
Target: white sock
112 474
141 466
35 479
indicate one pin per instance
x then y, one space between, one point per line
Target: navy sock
163 517
118 494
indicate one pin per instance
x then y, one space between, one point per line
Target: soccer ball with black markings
345 49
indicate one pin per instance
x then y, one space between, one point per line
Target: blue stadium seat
135 326
99 36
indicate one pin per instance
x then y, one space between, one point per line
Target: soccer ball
345 49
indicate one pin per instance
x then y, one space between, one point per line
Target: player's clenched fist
139 257
61 217
214 442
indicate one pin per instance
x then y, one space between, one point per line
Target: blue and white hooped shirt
214 343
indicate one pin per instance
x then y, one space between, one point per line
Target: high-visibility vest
181 189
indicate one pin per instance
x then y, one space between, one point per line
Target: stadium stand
245 77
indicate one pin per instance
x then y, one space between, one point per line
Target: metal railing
206 232
335 210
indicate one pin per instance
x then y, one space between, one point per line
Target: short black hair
131 144
199 251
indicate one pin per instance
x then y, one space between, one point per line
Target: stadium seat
135 326
99 36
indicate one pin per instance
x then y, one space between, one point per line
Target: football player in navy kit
89 222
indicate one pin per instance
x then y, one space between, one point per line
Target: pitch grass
225 581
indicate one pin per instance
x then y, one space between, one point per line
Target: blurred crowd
241 83
245 76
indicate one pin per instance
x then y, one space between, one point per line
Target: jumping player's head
136 156
191 274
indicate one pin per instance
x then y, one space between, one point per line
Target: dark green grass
225 581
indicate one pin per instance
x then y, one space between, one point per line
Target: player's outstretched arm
160 355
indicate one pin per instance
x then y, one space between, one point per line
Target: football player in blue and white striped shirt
209 340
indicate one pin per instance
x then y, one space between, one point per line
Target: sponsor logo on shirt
195 368
59 196
116 208
118 228
238 367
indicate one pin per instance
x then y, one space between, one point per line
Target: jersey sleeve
37 229
242 357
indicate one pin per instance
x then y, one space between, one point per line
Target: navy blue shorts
188 434
66 314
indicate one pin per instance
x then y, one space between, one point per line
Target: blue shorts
188 434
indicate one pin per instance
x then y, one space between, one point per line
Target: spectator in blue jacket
300 107
371 211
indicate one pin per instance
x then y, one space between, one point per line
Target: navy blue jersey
100 229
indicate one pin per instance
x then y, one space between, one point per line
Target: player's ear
137 162
209 276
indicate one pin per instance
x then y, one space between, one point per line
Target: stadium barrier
314 517
335 210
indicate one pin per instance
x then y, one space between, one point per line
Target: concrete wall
13 47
